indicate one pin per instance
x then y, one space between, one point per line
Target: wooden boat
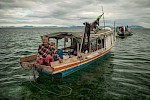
121 32
74 56
100 44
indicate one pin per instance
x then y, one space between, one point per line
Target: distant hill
132 26
28 26
136 26
75 26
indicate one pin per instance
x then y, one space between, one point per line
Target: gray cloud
73 12
142 3
12 4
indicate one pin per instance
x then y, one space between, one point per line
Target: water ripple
123 74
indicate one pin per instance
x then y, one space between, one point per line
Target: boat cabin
97 41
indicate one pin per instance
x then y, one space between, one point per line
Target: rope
45 90
60 95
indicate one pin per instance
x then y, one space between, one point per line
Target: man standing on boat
95 24
126 28
87 32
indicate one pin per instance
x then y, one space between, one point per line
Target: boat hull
124 34
72 70
75 68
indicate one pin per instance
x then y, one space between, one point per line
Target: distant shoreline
55 27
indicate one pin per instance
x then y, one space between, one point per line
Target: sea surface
123 74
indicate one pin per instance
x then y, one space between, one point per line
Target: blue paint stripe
69 71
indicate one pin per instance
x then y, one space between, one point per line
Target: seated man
45 52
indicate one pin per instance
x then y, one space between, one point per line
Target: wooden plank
28 58
65 61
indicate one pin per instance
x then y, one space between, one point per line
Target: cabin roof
78 35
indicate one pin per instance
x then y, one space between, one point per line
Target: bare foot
60 61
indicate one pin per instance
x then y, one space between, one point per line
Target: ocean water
124 73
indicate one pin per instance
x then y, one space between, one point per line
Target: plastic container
60 53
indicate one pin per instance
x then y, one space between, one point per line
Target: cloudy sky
73 12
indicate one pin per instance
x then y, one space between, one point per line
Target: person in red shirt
46 52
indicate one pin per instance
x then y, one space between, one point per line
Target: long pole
114 27
103 18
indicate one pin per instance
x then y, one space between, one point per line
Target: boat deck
56 64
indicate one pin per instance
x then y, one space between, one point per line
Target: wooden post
57 43
114 30
64 43
90 47
105 41
111 38
101 44
78 52
71 41
97 44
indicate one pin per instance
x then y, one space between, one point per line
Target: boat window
60 43
93 45
99 41
94 42
99 44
